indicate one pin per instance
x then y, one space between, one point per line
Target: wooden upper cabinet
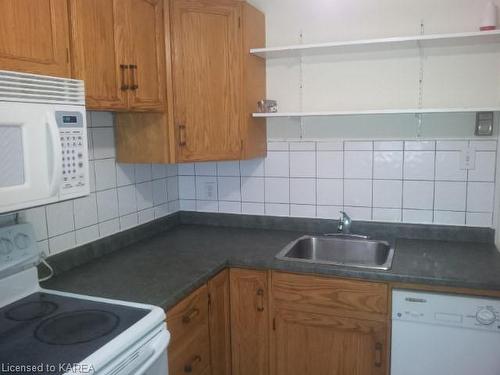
249 322
118 50
98 49
206 57
212 82
147 54
34 37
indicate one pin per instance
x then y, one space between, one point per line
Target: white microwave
43 140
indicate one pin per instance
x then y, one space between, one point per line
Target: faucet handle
344 216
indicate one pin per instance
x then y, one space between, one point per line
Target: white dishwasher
441 334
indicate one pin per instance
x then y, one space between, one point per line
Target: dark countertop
166 267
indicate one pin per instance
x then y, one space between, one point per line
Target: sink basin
339 250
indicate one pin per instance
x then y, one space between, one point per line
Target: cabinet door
147 59
99 55
220 325
249 322
34 36
206 41
189 348
309 343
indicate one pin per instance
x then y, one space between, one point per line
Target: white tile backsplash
387 180
144 195
358 193
103 141
252 168
388 165
330 164
229 188
480 196
485 165
419 165
358 164
330 192
277 190
277 164
228 168
448 166
303 191
418 195
60 218
450 196
387 193
252 189
303 164
107 204
105 174
85 210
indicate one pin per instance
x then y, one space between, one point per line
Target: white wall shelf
423 41
374 112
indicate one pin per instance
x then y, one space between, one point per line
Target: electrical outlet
210 190
468 159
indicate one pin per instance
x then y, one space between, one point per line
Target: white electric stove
50 332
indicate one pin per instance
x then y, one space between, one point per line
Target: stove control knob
22 241
6 246
485 316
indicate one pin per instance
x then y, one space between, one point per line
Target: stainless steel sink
344 250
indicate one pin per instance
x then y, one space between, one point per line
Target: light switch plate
468 158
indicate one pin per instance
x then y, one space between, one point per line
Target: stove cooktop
53 332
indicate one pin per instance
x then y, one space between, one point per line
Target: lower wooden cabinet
320 344
249 322
328 326
200 331
220 324
189 348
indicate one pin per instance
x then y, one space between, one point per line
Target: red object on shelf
487 28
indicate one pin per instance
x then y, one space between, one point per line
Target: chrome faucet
344 225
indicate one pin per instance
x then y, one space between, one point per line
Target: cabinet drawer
323 293
187 319
193 357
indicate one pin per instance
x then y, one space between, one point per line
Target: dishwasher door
442 334
426 349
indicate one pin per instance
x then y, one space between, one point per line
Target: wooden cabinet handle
260 303
182 135
133 77
123 73
378 354
188 367
193 313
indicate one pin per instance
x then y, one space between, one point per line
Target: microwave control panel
74 153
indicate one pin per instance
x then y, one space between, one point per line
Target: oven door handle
56 153
158 347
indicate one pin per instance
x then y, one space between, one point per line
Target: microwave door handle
56 152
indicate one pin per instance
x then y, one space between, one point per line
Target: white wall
456 77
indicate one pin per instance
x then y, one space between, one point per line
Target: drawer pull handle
182 135
124 86
193 313
260 304
188 368
133 77
378 354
